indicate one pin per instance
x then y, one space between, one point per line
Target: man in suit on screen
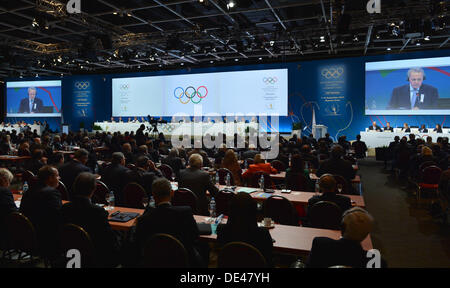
415 95
32 104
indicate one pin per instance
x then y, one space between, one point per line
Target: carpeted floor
405 233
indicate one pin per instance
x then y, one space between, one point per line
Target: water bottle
217 178
151 202
228 180
212 207
111 199
25 187
245 164
261 182
317 189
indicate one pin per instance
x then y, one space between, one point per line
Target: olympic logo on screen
125 86
332 72
190 93
82 85
270 80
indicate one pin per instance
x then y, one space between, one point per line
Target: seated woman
260 165
293 174
242 226
438 128
230 162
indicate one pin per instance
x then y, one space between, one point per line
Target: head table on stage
191 128
380 139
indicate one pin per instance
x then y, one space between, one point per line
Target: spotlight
427 38
230 4
388 49
260 58
236 60
322 39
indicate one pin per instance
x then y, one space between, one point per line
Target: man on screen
415 95
32 104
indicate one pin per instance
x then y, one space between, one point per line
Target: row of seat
160 251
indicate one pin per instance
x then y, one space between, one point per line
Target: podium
319 131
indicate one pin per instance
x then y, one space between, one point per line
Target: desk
9 158
380 139
288 239
293 239
192 129
301 198
19 129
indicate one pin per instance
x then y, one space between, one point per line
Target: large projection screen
33 98
257 92
408 87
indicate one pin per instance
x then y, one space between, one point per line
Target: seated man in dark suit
388 127
42 204
144 174
327 185
250 153
94 219
116 176
71 169
406 128
374 127
355 226
337 166
36 162
198 181
423 129
177 221
174 161
414 95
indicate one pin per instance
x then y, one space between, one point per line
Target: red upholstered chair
100 193
430 180
164 251
240 255
63 190
223 174
166 171
185 197
75 237
20 237
223 200
268 181
325 215
297 182
277 164
342 184
280 210
133 194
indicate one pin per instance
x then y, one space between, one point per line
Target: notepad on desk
263 195
247 190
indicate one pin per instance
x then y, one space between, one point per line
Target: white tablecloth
193 129
380 139
18 129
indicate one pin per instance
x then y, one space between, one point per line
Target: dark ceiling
40 37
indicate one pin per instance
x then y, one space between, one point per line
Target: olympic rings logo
332 72
82 85
190 92
124 86
270 80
